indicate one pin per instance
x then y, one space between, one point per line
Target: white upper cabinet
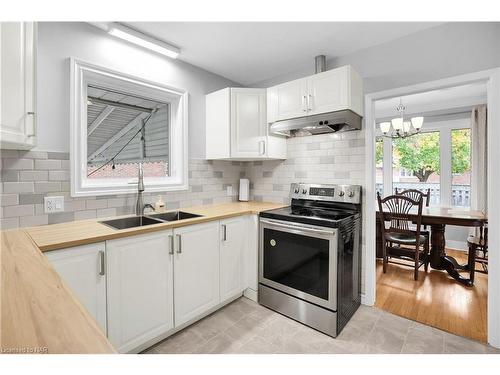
236 127
196 275
82 269
248 119
140 289
329 91
17 85
288 100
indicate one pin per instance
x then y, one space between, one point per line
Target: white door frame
492 79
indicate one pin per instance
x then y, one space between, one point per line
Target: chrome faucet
139 205
147 205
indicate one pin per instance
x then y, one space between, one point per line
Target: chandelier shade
398 127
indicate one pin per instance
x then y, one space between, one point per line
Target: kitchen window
438 159
119 122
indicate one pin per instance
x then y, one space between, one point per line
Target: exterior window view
124 130
180 188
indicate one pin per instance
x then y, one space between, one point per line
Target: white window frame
444 127
83 74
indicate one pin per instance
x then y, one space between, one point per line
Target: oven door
300 260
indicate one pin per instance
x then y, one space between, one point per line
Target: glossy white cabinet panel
236 126
233 234
82 269
329 91
140 289
196 274
248 123
17 85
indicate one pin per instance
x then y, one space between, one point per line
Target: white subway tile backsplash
18 164
33 175
48 164
19 210
9 199
31 221
18 187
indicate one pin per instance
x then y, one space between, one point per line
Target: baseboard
456 245
366 301
251 294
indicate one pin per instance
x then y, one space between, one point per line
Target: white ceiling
250 52
440 101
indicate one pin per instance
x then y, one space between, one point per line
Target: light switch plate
229 191
53 204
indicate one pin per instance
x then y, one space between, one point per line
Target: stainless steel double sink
140 221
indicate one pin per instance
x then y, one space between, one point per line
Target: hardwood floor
435 299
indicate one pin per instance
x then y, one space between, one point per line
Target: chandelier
398 127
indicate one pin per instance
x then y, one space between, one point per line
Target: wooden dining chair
416 195
478 252
401 239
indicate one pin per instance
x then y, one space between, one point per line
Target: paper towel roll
244 189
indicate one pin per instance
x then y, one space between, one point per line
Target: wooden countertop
58 236
38 312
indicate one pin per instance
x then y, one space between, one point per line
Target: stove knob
341 193
350 194
296 190
304 191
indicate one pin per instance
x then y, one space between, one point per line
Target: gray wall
442 51
57 41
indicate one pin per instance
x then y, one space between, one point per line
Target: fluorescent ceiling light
143 40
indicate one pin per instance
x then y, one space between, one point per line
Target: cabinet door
248 123
232 248
140 289
328 91
17 85
289 100
82 270
251 253
196 274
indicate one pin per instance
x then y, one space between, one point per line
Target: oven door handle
297 227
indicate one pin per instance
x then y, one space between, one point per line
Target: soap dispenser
160 205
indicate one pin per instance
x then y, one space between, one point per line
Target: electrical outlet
53 204
229 191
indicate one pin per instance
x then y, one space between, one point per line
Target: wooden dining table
438 218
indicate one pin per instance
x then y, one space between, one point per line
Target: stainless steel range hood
330 122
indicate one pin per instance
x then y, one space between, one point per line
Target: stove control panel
332 193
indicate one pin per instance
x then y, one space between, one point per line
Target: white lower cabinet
232 246
196 273
140 289
251 257
143 288
82 270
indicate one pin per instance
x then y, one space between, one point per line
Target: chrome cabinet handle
170 244
179 243
304 108
224 232
30 113
309 100
102 264
262 147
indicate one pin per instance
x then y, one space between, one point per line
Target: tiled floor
245 327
